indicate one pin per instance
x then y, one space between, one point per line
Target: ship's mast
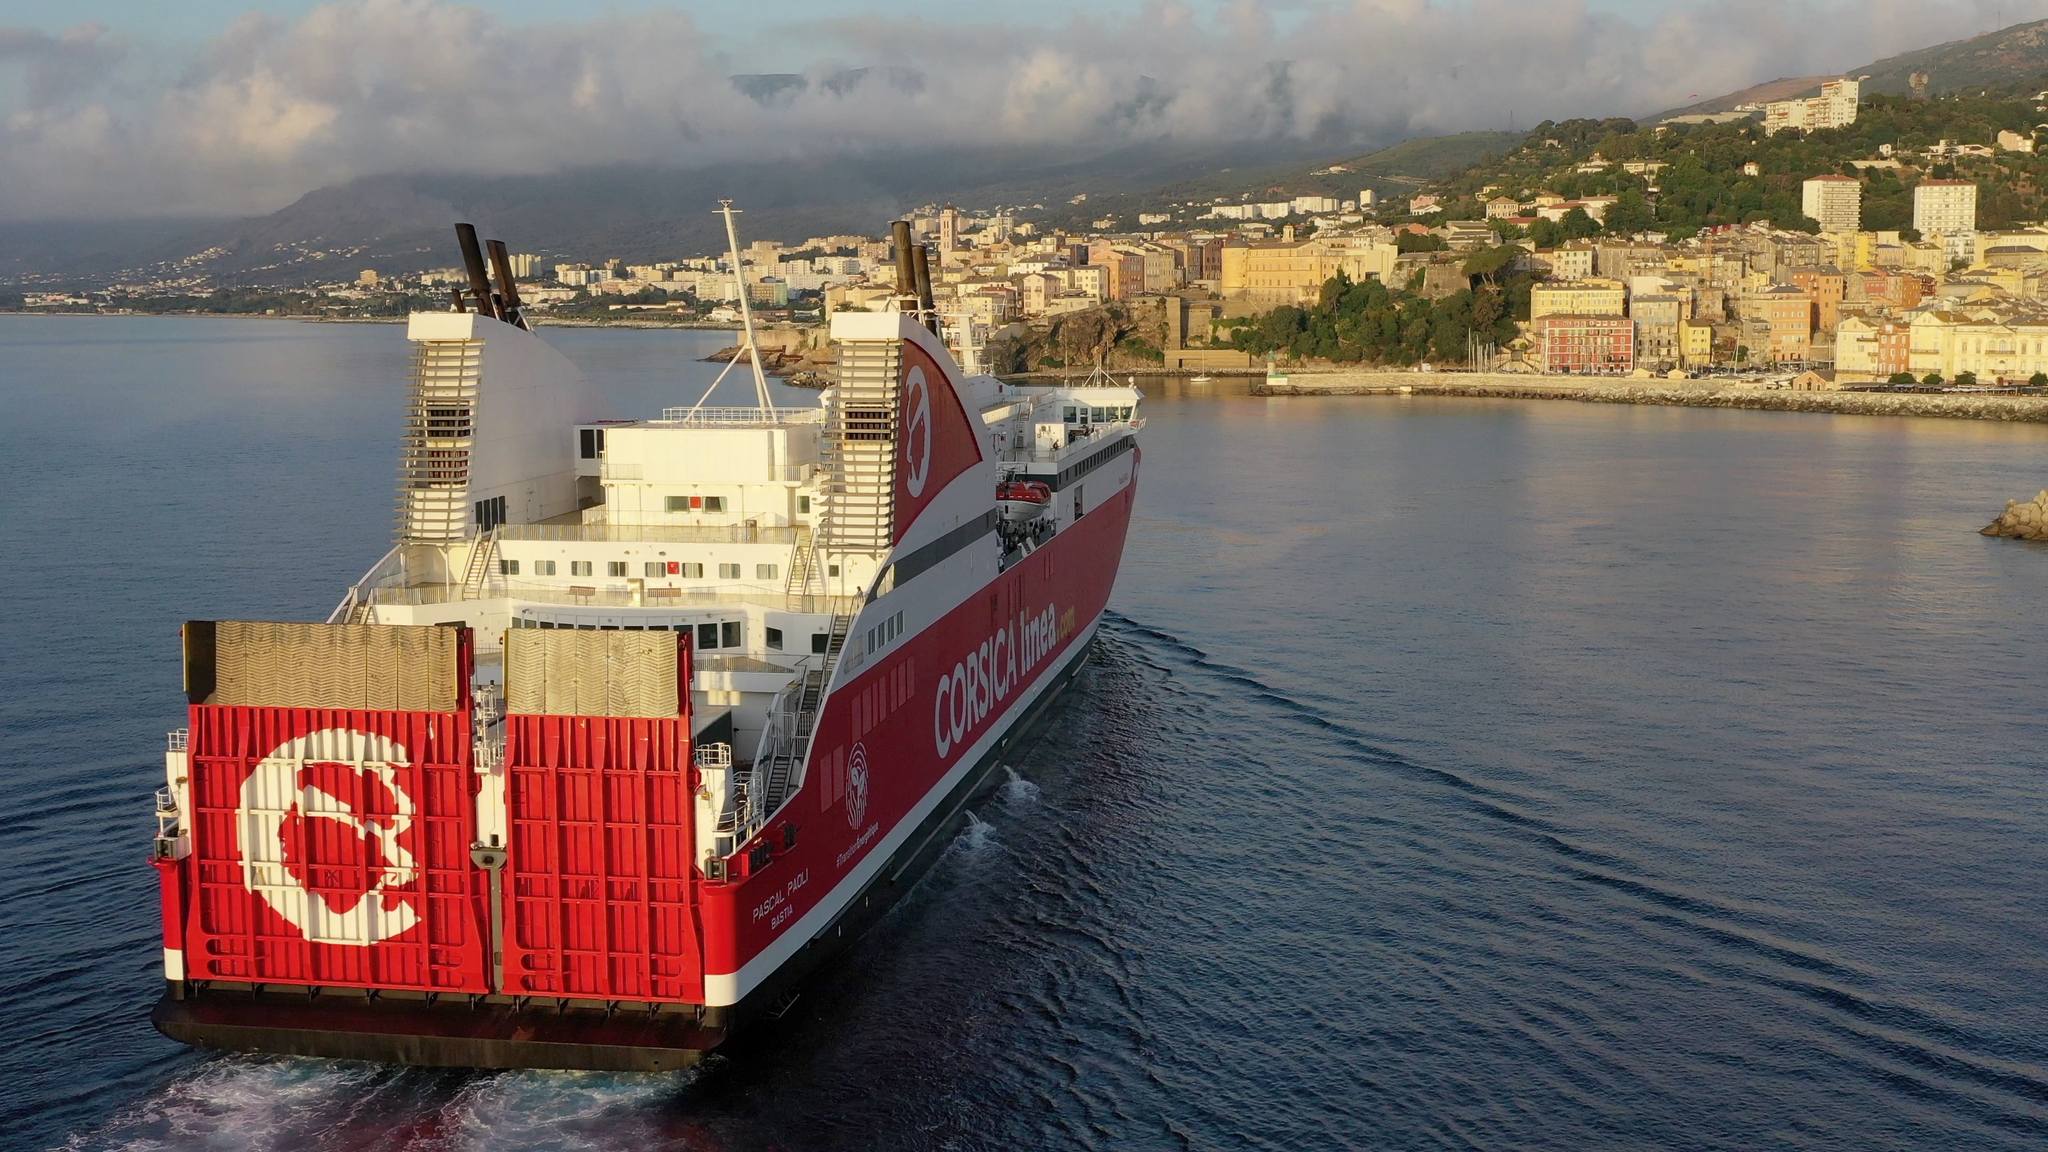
747 347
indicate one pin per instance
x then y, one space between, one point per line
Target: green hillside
1434 156
1703 183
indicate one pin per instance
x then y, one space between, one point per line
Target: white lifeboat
1021 501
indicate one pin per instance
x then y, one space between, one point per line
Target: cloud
92 124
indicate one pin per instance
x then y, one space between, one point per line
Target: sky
111 109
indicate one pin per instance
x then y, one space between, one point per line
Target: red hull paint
287 857
599 883
891 740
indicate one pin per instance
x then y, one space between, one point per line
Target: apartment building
1787 314
1835 107
1835 202
1945 208
1995 344
1577 298
1586 345
1657 319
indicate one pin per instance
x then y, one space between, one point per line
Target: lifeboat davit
1023 500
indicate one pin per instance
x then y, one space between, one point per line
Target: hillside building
1834 202
1835 107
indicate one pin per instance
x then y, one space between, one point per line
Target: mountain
2007 58
400 223
1783 88
2010 56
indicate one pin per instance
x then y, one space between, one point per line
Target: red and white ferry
638 721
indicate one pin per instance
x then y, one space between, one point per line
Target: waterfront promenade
1683 393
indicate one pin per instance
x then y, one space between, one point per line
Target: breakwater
1688 394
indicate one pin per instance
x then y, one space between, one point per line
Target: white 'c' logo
276 791
917 431
857 786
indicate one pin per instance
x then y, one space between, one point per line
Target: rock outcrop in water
2021 520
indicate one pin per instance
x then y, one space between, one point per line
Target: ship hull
496 1033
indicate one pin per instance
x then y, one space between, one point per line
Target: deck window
543 567
729 632
656 568
615 567
508 567
693 571
579 567
818 642
728 571
774 637
707 636
764 571
676 503
714 503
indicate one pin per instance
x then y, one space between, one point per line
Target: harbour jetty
2021 520
1683 393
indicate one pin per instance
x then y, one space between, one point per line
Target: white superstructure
519 509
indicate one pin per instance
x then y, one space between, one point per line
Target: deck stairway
803 565
483 552
788 740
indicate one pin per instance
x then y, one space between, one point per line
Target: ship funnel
906 270
922 269
508 288
479 280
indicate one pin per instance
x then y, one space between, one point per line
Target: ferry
639 721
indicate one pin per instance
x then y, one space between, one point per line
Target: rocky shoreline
2021 520
1689 394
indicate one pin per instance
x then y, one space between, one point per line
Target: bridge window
728 571
729 631
615 568
774 637
707 635
579 567
508 567
543 567
764 571
693 571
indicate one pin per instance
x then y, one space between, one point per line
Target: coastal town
1822 242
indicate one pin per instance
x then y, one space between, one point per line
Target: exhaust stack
508 288
479 280
921 266
906 269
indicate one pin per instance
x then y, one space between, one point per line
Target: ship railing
355 604
608 532
177 740
621 596
738 417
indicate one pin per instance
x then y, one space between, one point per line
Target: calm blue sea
1451 774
